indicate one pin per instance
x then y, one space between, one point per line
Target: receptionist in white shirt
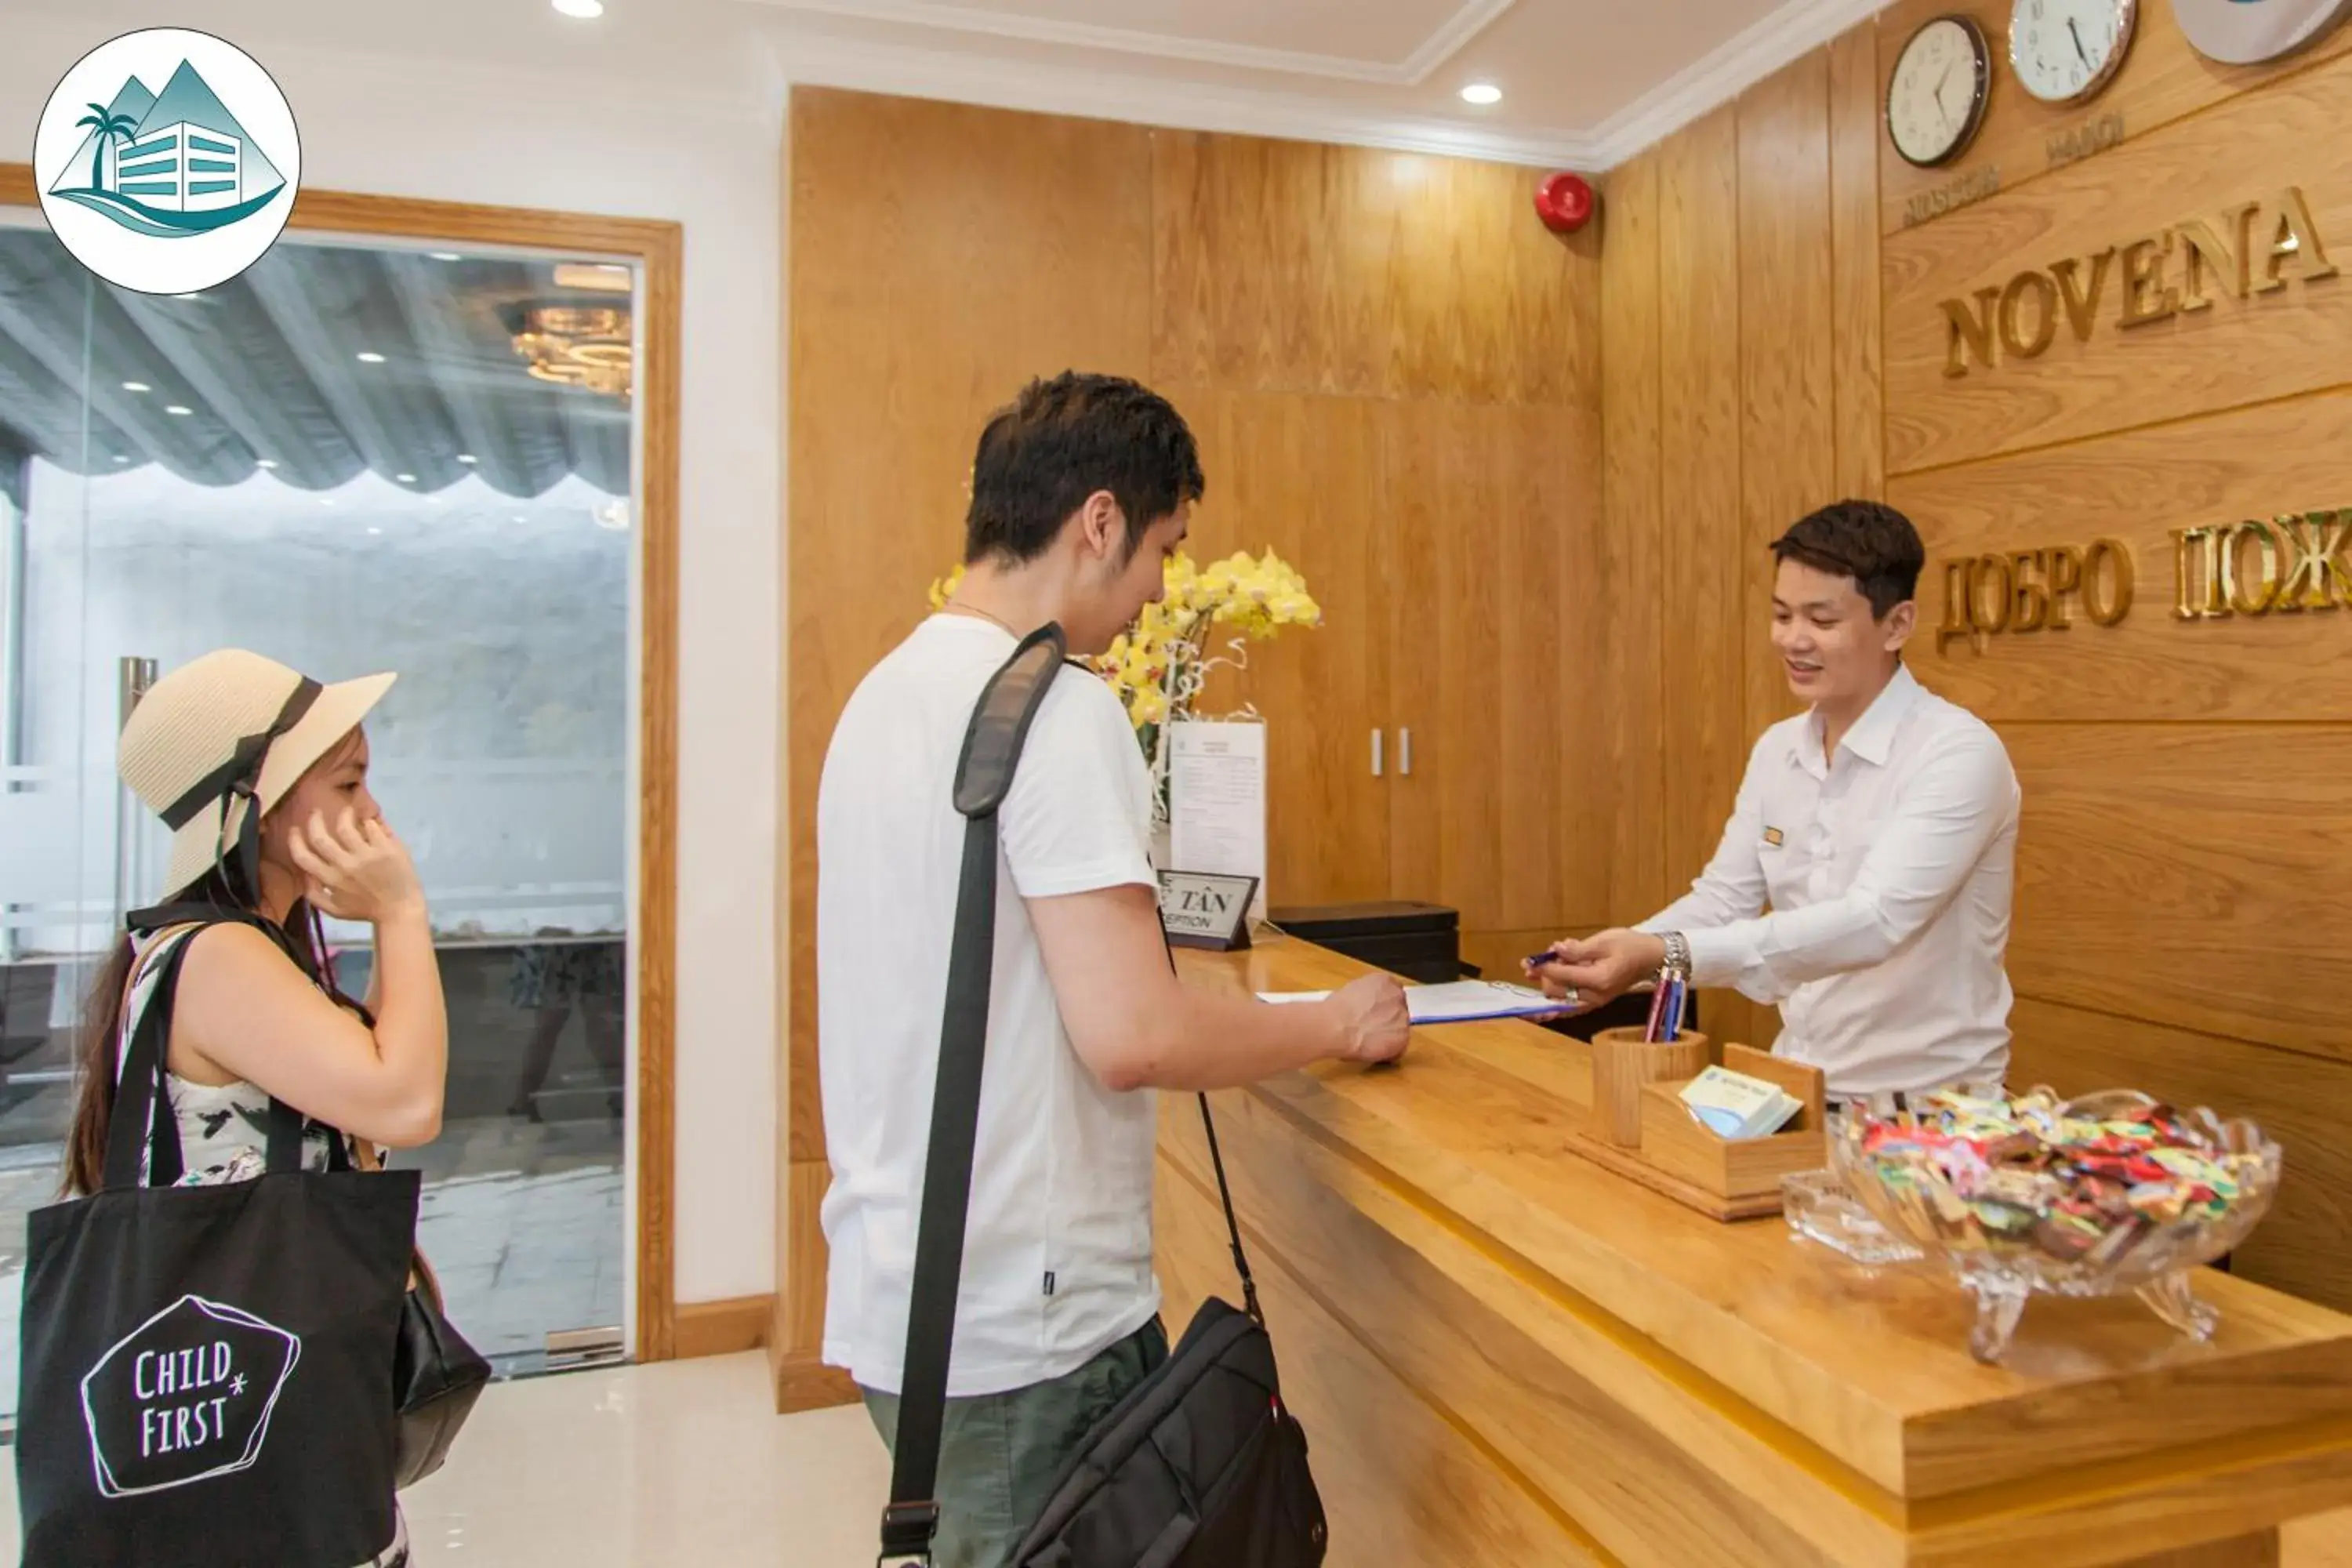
1879 828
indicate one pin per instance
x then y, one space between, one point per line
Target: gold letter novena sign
2255 247
2284 566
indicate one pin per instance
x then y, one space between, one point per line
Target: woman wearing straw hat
262 776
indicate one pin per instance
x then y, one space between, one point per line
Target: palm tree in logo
110 128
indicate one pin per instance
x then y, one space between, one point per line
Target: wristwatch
1678 953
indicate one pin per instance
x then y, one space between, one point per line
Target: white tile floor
642 1468
685 1464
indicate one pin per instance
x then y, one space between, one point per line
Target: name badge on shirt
1772 837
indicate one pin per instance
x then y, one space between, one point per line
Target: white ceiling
1585 82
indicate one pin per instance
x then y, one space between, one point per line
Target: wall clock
2242 32
2064 51
1936 100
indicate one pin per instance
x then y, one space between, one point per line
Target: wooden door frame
658 247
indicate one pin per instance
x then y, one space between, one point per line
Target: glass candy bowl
2094 1197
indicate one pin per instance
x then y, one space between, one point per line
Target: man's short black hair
1864 539
1061 440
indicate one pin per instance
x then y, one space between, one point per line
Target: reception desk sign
2286 565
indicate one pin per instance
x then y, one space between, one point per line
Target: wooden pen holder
1736 1169
1622 1062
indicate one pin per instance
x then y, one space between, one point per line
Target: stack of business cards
1733 1105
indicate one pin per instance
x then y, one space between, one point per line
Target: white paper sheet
1216 802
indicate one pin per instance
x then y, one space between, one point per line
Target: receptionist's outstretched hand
1601 967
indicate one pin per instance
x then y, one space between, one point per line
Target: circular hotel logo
167 160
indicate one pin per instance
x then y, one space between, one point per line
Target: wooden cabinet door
1300 472
1490 509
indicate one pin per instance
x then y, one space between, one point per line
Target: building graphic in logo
170 192
185 1396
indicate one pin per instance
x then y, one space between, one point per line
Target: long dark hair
303 937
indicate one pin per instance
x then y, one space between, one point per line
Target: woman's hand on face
356 870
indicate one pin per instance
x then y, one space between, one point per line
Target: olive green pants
1000 1453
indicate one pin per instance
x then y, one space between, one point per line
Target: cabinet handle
1404 753
1376 753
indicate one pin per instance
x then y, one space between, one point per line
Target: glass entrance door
356 457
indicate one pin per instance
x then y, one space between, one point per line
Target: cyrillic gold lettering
2316 578
1981 576
2030 604
1960 588
2065 580
2184 601
2108 561
2234 574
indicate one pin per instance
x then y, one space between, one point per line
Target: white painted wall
459 129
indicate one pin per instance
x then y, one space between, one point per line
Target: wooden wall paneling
1298 267
2137 487
1490 506
1704 635
2164 80
1405 1484
2296 339
1622 779
2302 1101
2191 874
1254 287
941 256
1787 440
1857 374
1704 632
1300 472
1443 474
1788 431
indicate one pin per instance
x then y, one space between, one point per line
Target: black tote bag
206 1372
1202 1465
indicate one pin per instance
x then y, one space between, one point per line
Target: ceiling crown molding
1448 40
999 83
1724 73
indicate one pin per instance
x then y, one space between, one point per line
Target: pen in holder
1626 1060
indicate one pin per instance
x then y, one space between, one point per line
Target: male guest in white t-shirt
1880 826
1079 492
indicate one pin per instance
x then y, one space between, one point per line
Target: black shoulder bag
1201 1464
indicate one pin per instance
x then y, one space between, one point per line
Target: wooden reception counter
1505 1354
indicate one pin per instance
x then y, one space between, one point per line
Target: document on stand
1216 802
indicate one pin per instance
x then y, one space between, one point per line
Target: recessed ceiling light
445 256
187 296
406 478
519 517
326 501
375 531
587 10
369 356
120 458
136 386
1482 92
181 409
467 457
265 462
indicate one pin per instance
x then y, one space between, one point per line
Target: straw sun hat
212 737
